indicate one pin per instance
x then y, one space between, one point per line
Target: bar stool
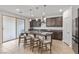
41 38
45 43
21 36
27 40
34 42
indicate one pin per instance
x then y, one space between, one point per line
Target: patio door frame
15 27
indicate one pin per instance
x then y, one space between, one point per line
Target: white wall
27 24
0 29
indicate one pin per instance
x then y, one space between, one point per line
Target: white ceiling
51 10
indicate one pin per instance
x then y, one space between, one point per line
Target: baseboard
8 40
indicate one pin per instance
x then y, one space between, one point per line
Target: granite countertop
48 30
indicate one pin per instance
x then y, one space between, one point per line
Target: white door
20 26
1 31
67 26
9 31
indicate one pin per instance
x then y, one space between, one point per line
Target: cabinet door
59 22
54 22
60 35
50 22
57 35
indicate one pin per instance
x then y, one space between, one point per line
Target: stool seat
28 37
36 39
46 41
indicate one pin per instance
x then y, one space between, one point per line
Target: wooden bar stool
46 44
27 40
21 36
35 42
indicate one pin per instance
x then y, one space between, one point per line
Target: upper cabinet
35 23
50 22
54 22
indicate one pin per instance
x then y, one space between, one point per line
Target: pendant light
30 15
37 13
44 14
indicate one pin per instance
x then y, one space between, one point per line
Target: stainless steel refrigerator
75 39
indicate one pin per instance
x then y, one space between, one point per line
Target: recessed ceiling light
17 9
32 15
60 10
43 13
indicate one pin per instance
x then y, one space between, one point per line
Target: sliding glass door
20 26
9 28
12 28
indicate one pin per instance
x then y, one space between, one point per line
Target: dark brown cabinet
50 22
58 22
54 22
57 35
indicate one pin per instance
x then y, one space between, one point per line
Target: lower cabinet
57 35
